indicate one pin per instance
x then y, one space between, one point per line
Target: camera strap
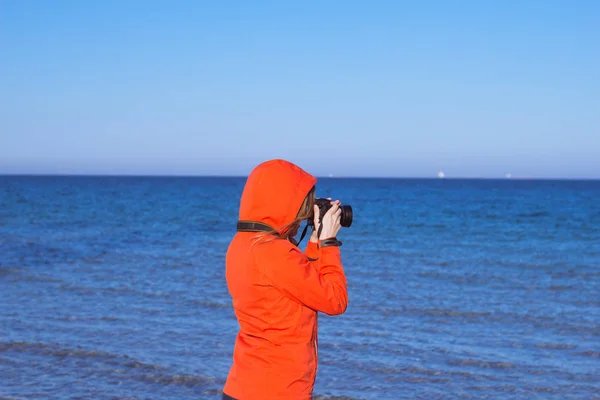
253 226
329 243
303 234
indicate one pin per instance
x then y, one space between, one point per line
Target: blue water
114 287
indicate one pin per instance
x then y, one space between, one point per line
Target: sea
114 288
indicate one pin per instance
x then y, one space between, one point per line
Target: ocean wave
435 312
122 368
555 346
535 214
121 365
592 354
7 271
56 350
470 362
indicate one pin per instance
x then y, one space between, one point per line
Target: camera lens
346 217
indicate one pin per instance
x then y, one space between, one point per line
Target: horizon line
143 175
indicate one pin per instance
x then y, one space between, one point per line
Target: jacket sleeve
320 285
312 251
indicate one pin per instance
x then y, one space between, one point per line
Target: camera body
324 205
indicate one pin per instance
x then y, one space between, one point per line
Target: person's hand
316 222
313 236
331 221
316 217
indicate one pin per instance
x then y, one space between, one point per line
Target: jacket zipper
316 344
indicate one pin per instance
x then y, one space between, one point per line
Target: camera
324 205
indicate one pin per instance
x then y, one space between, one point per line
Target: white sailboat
441 175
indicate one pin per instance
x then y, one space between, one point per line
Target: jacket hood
274 192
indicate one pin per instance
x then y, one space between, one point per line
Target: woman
277 289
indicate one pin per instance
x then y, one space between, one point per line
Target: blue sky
352 88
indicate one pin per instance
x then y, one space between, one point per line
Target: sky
348 88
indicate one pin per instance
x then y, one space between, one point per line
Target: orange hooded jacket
277 291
